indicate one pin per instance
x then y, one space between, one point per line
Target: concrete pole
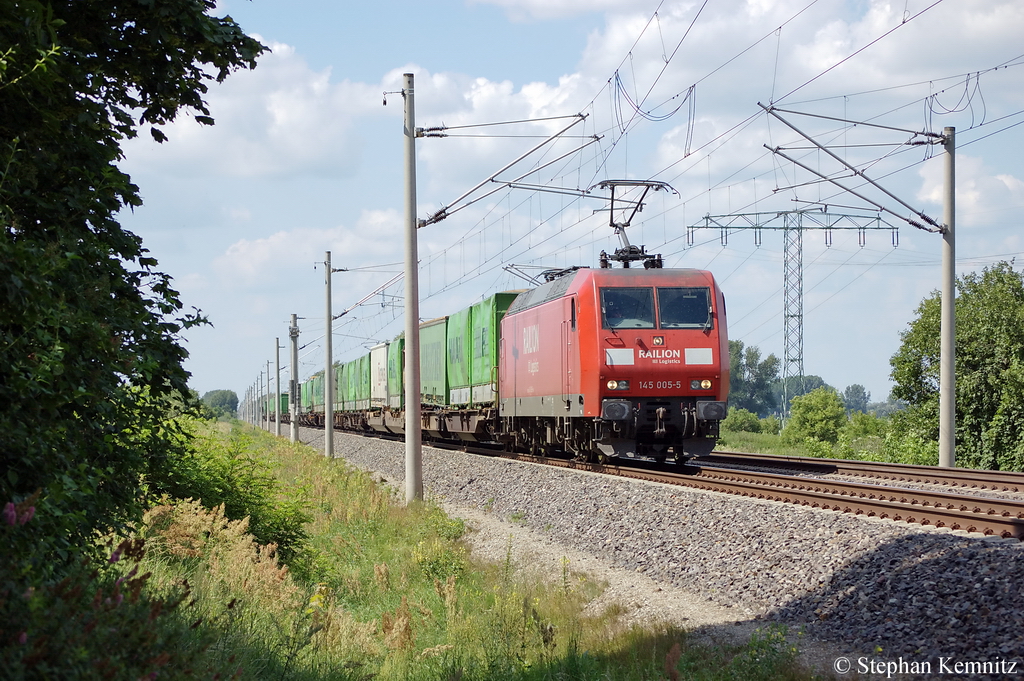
413 449
267 400
277 385
293 385
328 369
947 356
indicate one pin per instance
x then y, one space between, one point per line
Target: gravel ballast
882 591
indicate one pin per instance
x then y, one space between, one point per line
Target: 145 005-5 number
660 385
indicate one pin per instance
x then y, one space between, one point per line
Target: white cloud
978 190
523 10
923 42
273 259
281 118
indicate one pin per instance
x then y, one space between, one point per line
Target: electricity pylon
793 224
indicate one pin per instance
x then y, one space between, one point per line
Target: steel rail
1001 517
971 478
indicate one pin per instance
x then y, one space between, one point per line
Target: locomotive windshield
627 308
684 308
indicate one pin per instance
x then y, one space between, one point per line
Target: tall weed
103 622
233 468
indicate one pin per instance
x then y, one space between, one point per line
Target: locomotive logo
531 339
659 354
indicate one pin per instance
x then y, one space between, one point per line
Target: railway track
955 509
961 478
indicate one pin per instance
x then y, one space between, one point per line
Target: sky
307 156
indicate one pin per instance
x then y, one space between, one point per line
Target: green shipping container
313 389
283 398
433 373
396 373
363 389
486 322
340 376
305 397
356 390
457 357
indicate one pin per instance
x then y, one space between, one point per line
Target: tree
751 379
887 408
856 398
89 330
989 370
819 414
221 401
798 385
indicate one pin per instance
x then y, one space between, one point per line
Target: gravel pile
869 585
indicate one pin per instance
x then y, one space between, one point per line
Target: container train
594 364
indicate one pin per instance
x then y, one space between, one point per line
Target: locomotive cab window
684 308
627 308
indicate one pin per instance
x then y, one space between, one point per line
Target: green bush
771 425
819 414
818 448
910 448
741 421
861 425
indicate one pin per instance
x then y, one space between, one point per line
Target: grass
758 443
865 448
375 590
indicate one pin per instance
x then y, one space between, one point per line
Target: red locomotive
616 362
593 364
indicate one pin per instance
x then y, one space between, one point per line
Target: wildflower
23 638
27 515
10 515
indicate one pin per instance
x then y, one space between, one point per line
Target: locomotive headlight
618 385
700 385
659 340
